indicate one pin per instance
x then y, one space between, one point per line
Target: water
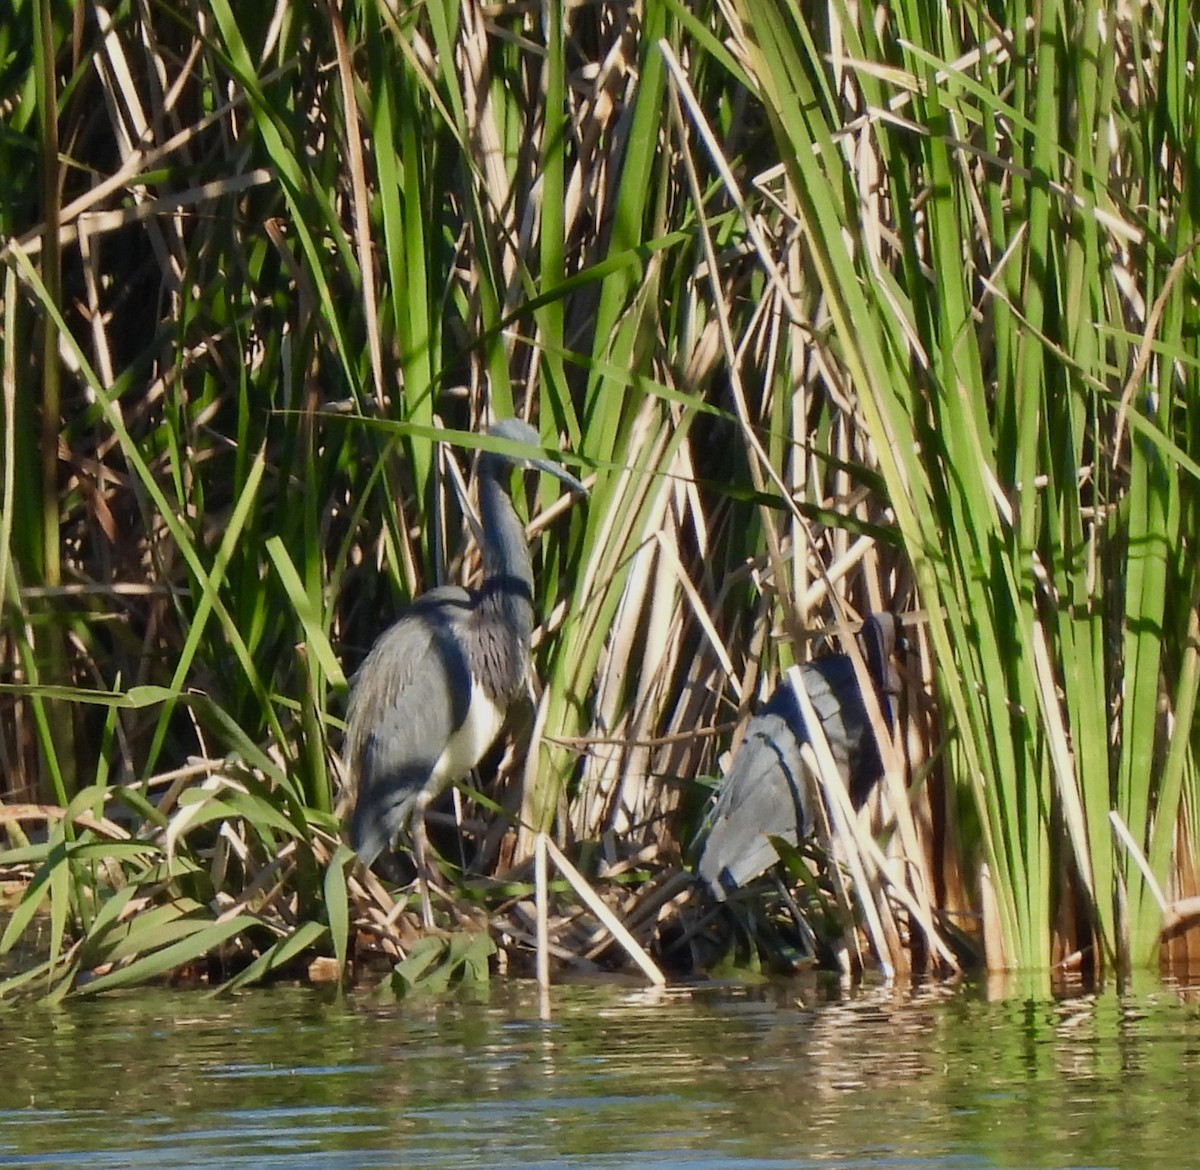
713 1078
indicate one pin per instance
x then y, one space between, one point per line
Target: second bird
432 695
766 793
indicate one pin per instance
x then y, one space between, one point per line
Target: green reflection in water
708 1077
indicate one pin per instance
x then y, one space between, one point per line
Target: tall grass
836 315
991 257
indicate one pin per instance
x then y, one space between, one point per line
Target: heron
432 694
765 793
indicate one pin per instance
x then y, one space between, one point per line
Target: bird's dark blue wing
832 686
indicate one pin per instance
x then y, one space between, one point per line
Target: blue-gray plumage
431 696
765 793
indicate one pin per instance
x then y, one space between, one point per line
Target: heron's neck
507 569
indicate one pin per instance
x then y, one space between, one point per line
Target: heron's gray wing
764 794
409 696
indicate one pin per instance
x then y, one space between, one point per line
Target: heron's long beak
559 473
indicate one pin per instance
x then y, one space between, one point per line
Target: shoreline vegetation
836 310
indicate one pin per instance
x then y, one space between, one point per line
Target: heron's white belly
474 736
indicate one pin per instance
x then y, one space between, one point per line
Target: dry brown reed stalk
761 466
600 794
542 899
18 814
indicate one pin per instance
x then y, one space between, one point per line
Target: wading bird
431 696
765 793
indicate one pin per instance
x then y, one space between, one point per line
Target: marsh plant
838 308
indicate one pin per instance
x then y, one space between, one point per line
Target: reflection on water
788 1075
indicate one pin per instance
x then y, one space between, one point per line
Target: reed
973 222
835 314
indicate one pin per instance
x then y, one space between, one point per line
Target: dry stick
92 281
110 221
632 947
8 391
881 925
868 847
671 889
839 570
663 624
1182 915
670 553
269 881
675 888
850 938
1122 831
540 895
556 950
19 813
819 758
583 742
101 589
529 778
994 956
